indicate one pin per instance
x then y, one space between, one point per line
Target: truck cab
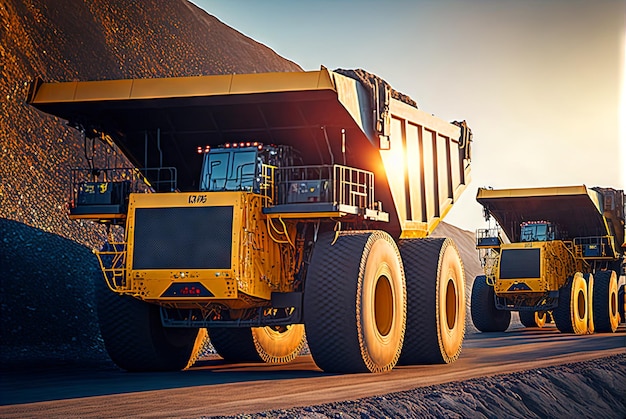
244 166
230 169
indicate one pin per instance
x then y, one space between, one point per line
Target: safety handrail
346 185
151 179
112 259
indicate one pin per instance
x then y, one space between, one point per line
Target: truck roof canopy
187 112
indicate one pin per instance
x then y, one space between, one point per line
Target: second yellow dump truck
557 254
263 205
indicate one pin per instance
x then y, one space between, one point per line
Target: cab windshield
230 170
537 232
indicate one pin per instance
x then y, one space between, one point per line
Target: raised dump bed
421 164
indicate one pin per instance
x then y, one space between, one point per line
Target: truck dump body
421 163
577 210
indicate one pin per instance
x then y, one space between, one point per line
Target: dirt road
215 388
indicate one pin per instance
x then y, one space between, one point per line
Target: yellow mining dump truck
264 205
557 254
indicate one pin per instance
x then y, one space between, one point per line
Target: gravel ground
48 318
593 389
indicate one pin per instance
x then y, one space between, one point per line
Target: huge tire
259 344
533 318
605 302
485 316
591 326
355 302
621 296
571 314
135 338
435 301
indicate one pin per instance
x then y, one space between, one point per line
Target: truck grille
520 263
183 238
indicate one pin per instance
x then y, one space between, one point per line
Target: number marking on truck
197 199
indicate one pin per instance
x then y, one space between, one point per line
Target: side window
244 171
528 233
214 172
542 232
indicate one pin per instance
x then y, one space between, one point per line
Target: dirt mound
47 296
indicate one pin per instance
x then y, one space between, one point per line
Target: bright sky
540 82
